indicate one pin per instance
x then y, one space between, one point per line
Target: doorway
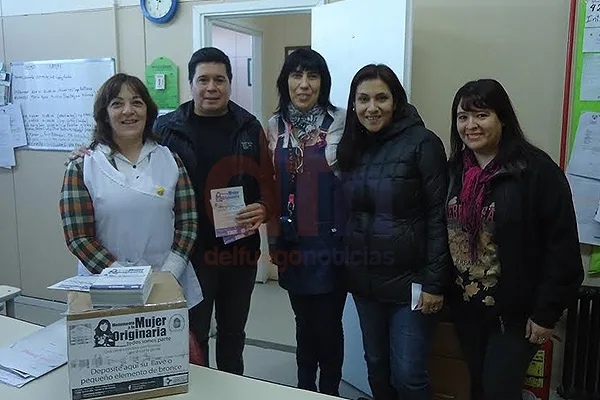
264 39
244 48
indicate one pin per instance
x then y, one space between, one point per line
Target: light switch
159 81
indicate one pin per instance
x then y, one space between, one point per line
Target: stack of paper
34 355
226 203
122 287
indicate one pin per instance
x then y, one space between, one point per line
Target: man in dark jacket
221 145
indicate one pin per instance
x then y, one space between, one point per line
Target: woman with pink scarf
513 240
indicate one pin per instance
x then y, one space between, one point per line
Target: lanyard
296 156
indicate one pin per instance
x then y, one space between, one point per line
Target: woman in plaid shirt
129 201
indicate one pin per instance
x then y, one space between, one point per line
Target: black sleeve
562 268
159 129
433 169
340 207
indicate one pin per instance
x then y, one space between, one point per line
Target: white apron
135 220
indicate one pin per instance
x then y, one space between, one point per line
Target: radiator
581 364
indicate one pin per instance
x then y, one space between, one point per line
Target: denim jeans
396 341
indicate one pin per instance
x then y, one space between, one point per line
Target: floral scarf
305 123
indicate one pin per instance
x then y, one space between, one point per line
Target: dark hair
103 133
209 55
489 94
303 60
354 140
100 331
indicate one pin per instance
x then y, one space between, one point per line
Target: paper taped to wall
17 127
586 194
7 153
592 14
590 78
585 156
591 40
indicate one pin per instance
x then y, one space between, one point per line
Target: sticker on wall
162 80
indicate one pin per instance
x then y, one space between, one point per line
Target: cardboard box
445 342
133 353
449 378
448 369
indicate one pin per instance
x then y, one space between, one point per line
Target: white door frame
257 48
202 12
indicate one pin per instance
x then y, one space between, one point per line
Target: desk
205 383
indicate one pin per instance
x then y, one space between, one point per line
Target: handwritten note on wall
57 99
592 14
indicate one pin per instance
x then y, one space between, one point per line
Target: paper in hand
415 296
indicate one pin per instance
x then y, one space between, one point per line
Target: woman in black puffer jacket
395 181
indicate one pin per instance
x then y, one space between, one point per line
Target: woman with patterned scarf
513 239
304 242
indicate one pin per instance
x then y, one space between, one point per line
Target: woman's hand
537 334
78 153
252 216
430 303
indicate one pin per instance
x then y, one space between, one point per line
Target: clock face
158 8
159 11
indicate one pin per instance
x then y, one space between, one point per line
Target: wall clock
159 11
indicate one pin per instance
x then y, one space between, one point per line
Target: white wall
28 7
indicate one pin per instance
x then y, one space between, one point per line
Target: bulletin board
581 121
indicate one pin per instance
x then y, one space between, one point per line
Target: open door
351 34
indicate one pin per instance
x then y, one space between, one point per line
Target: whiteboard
57 100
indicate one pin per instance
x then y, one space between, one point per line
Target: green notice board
586 54
162 80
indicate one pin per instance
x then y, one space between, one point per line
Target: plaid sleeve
77 214
186 216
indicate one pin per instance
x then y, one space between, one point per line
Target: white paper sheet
4 95
591 40
597 216
5 133
7 154
586 195
590 77
415 295
10 378
36 354
226 203
585 156
592 14
17 125
76 283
